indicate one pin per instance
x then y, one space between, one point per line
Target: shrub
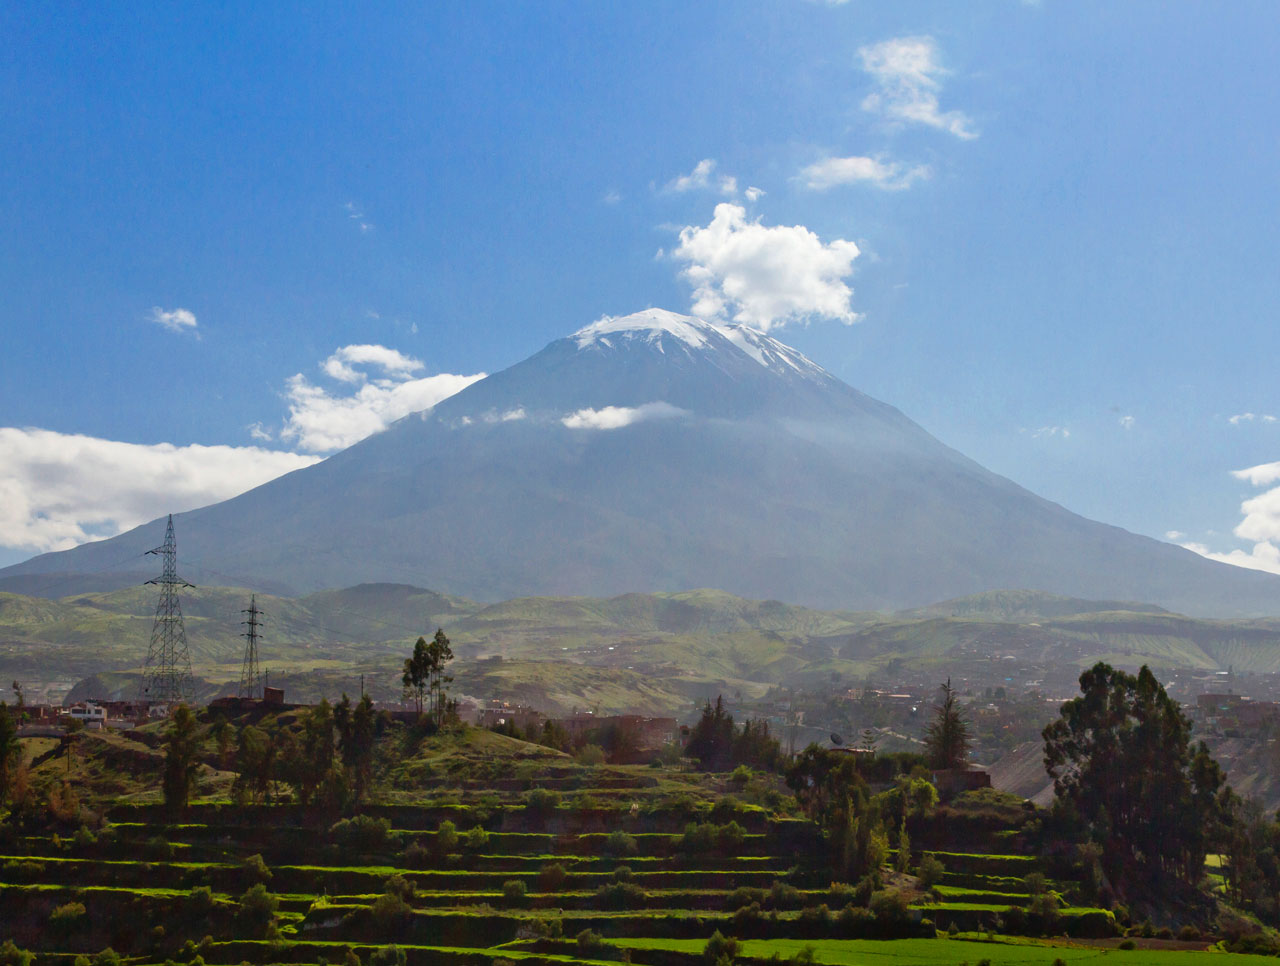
391 955
855 920
816 915
67 917
1188 933
552 877
514 890
1127 944
257 907
841 894
741 775
1015 920
620 843
18 869
106 957
590 755
1035 883
890 906
390 909
11 955
255 869
351 958
720 949
83 840
200 902
729 838
748 915
477 839
590 942
361 833
446 838
620 895
930 871
744 896
622 874
417 856
783 895
542 803
953 930
398 885
158 849
1164 932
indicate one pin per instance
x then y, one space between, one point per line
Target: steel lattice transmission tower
250 678
166 678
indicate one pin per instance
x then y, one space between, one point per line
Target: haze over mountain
662 452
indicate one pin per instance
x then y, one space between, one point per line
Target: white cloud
886 175
908 78
1126 422
754 194
1050 432
1174 535
59 490
322 422
341 365
703 176
765 276
616 417
1263 556
175 320
510 416
1239 418
1260 526
356 214
260 432
612 197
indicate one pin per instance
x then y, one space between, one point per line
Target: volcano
661 452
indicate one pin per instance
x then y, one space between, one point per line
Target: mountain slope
658 453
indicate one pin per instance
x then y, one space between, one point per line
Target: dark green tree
417 673
1121 759
356 732
309 766
832 793
182 757
947 737
255 765
711 739
10 752
439 654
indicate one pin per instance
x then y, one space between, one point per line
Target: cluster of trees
425 679
1128 779
717 745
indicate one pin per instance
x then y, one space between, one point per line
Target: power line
166 676
250 684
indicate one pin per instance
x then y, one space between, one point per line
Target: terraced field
485 850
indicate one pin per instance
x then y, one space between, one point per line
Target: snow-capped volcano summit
659 327
657 451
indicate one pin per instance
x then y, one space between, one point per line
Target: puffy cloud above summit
765 276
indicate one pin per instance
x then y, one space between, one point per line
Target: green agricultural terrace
467 846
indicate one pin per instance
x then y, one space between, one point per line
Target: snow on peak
649 325
652 324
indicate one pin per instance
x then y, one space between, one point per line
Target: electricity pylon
166 677
250 679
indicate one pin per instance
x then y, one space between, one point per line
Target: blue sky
236 238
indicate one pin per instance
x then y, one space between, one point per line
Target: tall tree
417 673
182 758
439 654
1121 758
711 739
10 752
355 741
255 764
947 737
